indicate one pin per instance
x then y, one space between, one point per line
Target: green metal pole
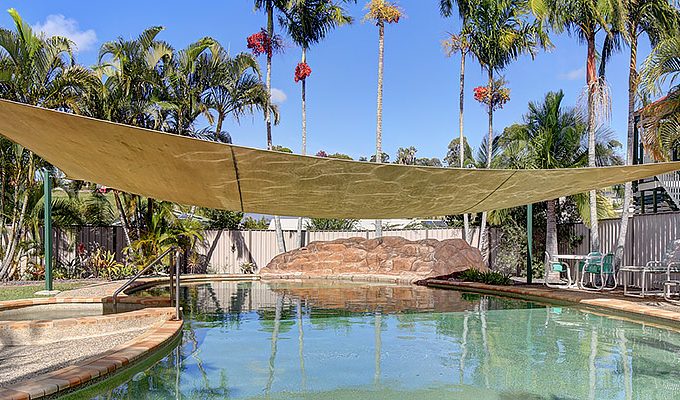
47 195
530 220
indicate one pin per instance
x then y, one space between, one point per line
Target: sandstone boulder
389 256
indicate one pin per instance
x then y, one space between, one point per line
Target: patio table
573 257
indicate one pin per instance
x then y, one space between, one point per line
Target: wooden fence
226 251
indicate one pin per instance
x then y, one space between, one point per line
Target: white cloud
58 25
278 96
573 75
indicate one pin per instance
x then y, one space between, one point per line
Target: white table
573 257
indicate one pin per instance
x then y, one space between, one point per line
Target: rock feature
388 258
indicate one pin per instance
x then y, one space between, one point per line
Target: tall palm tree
586 18
459 43
658 19
500 32
40 71
308 22
661 119
271 44
381 12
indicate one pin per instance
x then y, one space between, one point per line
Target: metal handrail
140 273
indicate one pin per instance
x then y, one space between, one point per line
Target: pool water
329 340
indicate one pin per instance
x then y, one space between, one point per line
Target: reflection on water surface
288 340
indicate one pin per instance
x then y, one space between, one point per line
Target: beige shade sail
202 173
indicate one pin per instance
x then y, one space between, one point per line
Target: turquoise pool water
342 341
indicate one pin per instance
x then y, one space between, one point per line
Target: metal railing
671 182
174 294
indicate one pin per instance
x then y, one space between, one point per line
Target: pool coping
590 300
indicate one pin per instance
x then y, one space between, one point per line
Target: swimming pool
286 340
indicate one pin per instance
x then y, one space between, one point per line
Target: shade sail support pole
530 223
47 216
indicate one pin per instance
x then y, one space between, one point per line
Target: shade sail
196 172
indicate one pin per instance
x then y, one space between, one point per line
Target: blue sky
421 83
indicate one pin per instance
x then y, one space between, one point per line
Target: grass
16 292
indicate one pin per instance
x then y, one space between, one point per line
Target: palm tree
133 73
550 137
308 22
586 18
459 44
270 43
406 156
658 19
235 88
661 119
188 77
498 34
40 71
381 12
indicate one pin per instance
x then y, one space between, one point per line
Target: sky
420 86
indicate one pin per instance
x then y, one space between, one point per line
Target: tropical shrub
102 264
252 224
331 224
488 277
248 268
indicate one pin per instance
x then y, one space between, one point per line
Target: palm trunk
551 228
301 346
149 213
267 112
279 234
461 147
304 137
591 81
378 347
483 240
218 126
274 345
628 188
304 107
378 130
6 266
123 217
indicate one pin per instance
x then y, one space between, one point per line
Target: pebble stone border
609 302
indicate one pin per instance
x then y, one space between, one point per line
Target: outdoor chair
553 265
669 264
598 266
